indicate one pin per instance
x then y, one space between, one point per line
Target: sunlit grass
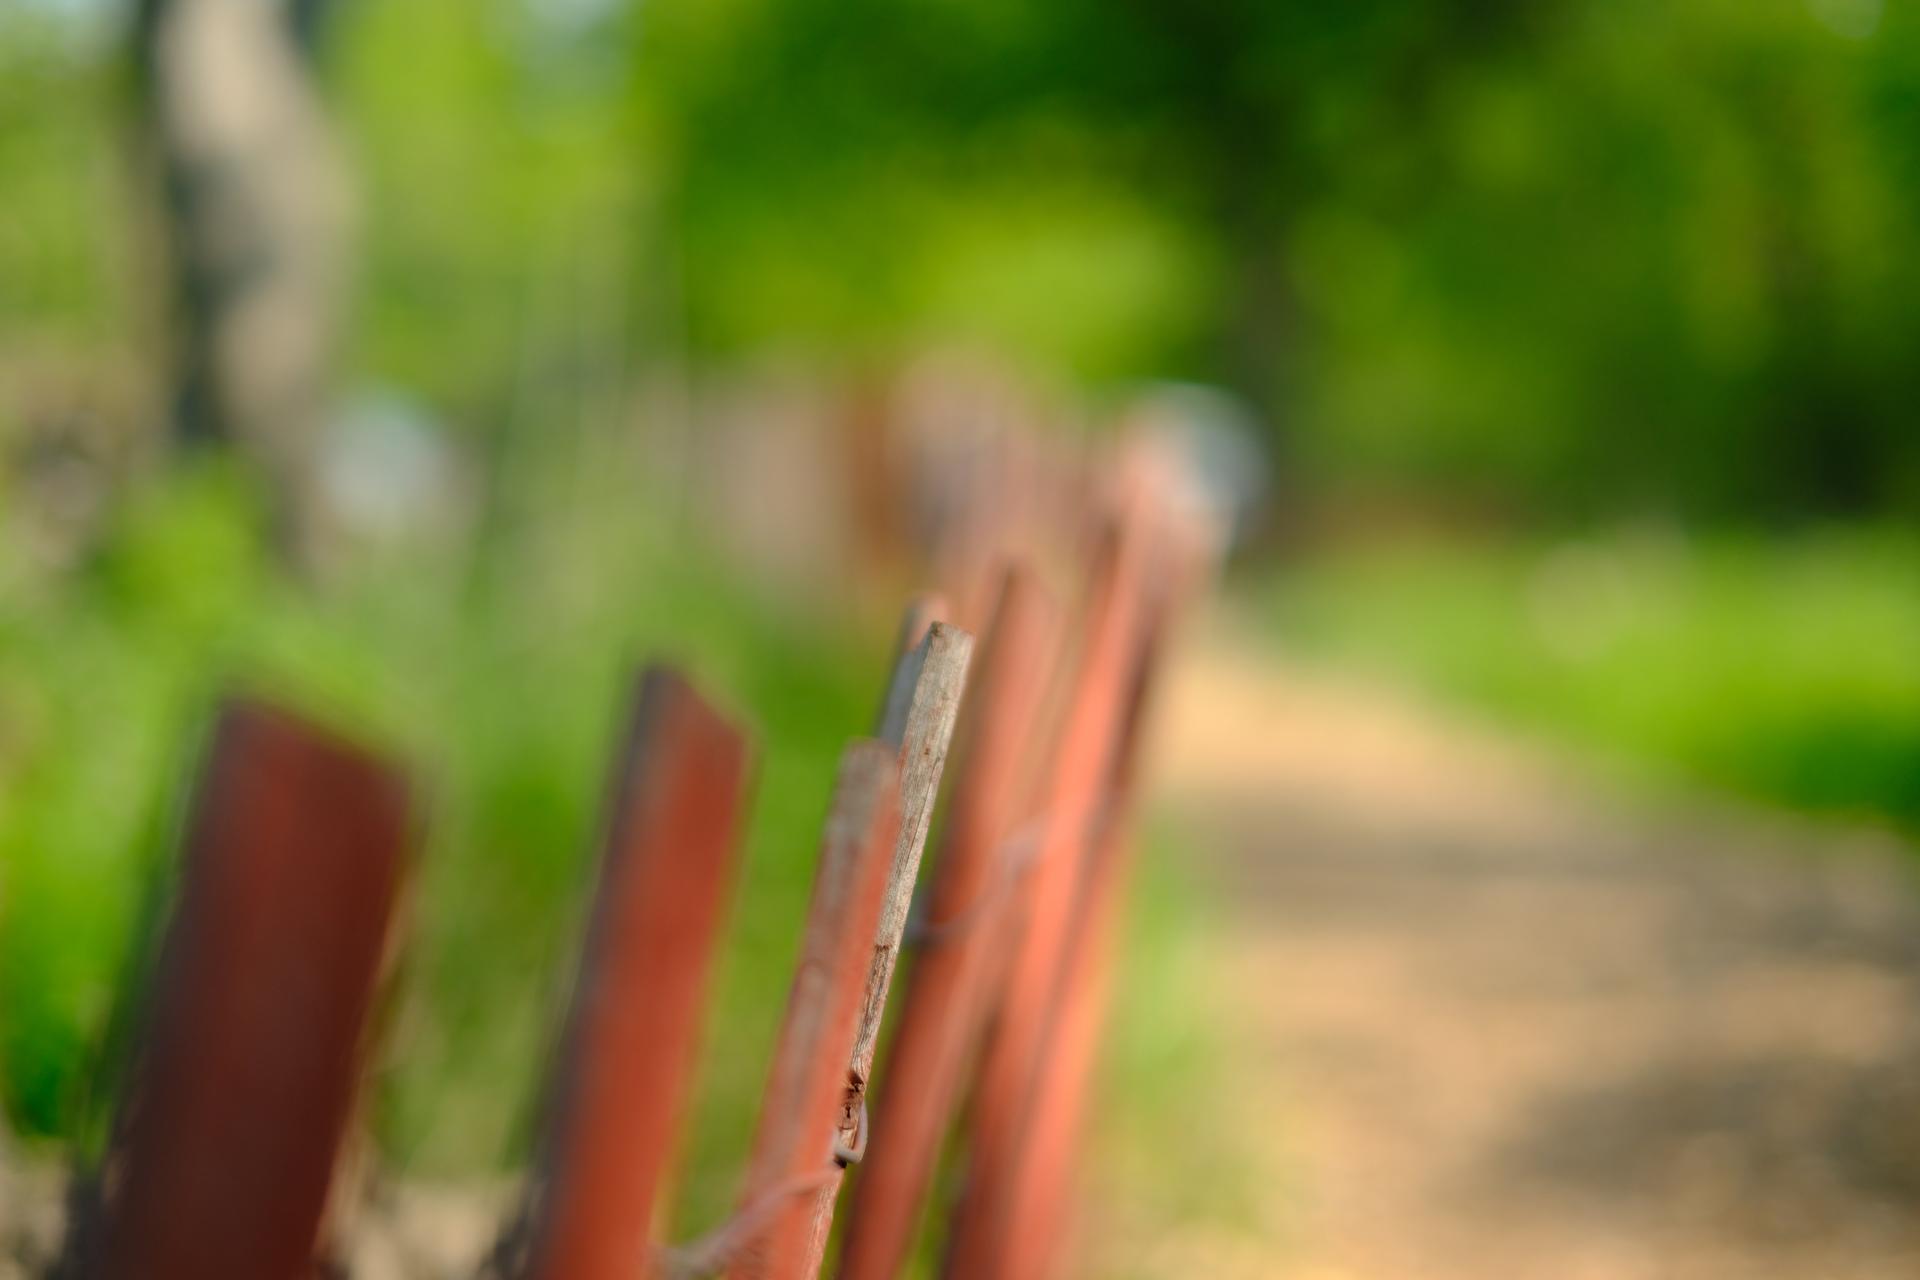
1786 671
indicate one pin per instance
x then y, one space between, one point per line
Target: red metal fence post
1042 1168
1038 928
622 1074
793 1150
243 1085
940 1017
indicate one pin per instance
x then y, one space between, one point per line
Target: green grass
1786 671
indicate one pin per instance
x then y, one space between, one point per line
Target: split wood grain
245 1079
799 1117
940 1017
939 664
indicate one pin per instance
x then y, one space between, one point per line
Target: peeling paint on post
799 1117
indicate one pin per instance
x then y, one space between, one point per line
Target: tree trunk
256 205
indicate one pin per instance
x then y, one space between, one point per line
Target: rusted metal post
794 1148
251 1059
939 666
622 1074
939 1020
1038 928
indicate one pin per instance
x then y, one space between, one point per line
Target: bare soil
1492 1018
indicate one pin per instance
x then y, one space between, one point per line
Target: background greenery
1787 673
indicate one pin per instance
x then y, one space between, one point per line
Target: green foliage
1786 673
1656 260
497 174
1587 257
499 680
57 166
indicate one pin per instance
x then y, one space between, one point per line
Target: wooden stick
799 1118
622 1075
940 1018
241 1091
926 731
903 673
1038 934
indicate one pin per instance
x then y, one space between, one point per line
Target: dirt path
1492 1021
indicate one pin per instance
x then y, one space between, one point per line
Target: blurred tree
1576 257
1586 257
255 200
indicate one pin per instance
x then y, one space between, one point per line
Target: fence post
910 652
1080 764
793 1149
622 1074
1041 1170
245 1078
925 733
939 666
940 1016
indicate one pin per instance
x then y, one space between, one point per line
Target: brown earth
1487 1017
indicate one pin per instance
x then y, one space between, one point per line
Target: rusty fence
224 1155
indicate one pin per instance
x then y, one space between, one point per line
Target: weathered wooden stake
909 655
799 1118
925 732
939 1020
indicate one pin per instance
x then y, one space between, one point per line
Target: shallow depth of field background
1581 338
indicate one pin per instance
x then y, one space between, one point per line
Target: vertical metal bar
628 1050
1038 1181
939 1020
799 1117
1038 932
245 1079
